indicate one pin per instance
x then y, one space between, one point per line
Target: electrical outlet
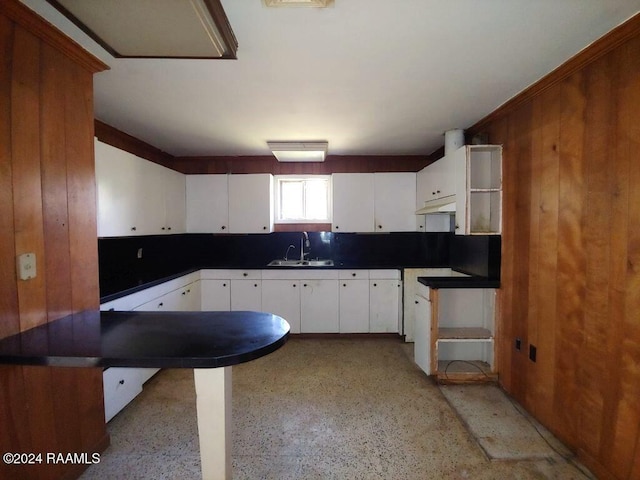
518 344
532 353
139 253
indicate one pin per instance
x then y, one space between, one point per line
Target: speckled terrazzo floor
315 409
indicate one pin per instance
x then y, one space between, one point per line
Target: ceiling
371 77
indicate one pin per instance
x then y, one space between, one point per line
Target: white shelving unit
478 189
462 347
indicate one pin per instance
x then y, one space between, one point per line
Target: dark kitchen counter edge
459 282
153 280
147 339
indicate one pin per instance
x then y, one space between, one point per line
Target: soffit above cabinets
154 28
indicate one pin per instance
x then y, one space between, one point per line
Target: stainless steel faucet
304 242
287 252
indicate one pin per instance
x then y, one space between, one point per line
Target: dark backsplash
165 255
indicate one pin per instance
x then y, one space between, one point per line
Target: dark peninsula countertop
147 339
471 281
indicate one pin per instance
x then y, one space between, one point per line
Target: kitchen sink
300 263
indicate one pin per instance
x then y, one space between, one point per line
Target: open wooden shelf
462 371
464 333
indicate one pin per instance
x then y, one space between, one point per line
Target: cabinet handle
433 193
344 284
255 284
304 285
437 191
133 228
353 274
160 304
375 284
380 226
223 227
264 228
224 284
189 291
168 228
245 274
416 302
121 382
294 285
184 293
163 228
337 227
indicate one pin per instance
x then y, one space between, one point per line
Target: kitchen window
303 199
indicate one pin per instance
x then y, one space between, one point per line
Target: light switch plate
27 266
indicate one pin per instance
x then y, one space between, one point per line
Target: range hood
439 205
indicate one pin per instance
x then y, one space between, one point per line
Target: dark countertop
147 339
121 287
472 281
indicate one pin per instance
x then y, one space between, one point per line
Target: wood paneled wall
571 251
47 206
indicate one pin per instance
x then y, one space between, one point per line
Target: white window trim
276 203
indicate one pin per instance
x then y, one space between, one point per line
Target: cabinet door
251 203
174 202
422 333
282 298
246 295
215 295
150 199
394 202
319 306
353 202
207 204
384 306
354 306
116 191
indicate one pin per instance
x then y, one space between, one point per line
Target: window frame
278 179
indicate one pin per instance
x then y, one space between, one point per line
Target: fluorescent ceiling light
299 151
154 28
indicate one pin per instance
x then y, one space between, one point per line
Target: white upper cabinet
436 181
116 191
353 202
478 189
174 201
394 202
251 203
135 196
207 204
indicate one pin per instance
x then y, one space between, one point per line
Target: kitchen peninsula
208 342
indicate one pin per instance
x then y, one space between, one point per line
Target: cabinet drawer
353 274
121 385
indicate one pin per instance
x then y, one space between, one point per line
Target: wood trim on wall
332 164
119 139
599 48
25 17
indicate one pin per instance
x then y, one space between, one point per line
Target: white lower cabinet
215 295
354 301
422 328
385 301
319 306
121 385
282 298
246 295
